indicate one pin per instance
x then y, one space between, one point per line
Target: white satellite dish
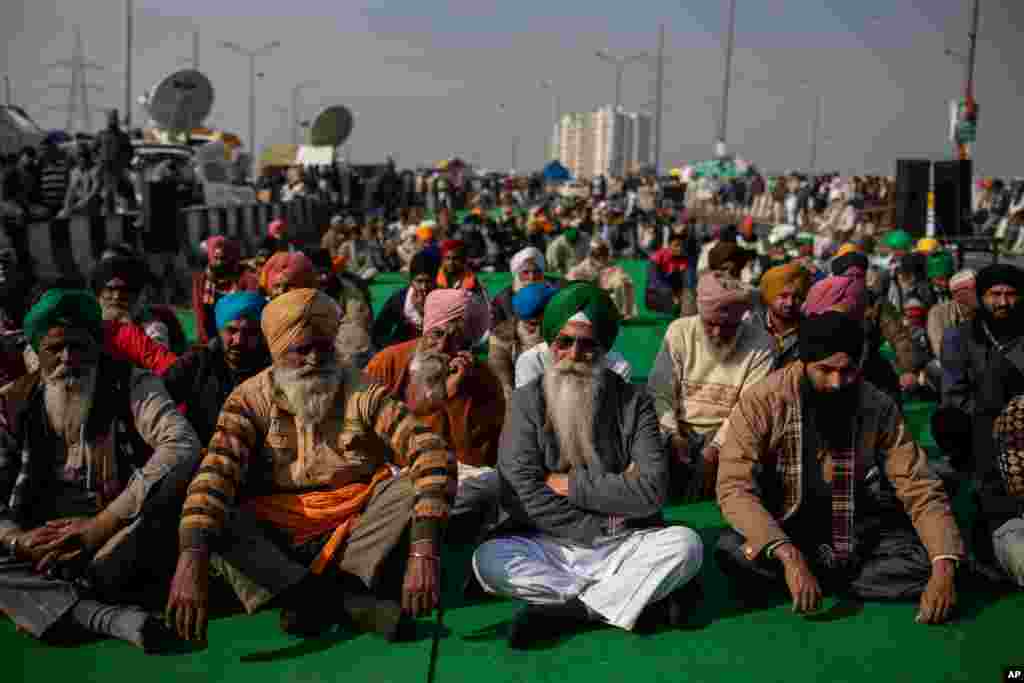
331 127
182 101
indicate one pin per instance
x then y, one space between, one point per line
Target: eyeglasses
586 345
319 346
441 334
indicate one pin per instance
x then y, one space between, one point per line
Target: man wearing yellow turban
343 472
783 289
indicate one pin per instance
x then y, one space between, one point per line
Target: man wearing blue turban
203 378
520 333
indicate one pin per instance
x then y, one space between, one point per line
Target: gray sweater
601 496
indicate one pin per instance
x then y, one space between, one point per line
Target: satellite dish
182 101
331 127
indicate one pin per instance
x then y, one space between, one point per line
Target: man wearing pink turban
286 271
458 398
705 363
844 293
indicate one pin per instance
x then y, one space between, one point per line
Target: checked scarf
843 479
214 288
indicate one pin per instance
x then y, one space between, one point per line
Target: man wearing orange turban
339 469
783 289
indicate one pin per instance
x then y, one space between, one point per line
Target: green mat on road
876 643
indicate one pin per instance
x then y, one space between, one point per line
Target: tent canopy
555 172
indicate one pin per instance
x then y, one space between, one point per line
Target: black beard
832 412
1006 329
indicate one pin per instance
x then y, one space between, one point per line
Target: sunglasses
586 345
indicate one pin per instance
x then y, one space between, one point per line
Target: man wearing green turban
584 476
578 301
940 268
94 461
566 251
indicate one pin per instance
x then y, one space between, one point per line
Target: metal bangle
425 556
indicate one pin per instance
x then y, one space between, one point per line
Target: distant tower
78 90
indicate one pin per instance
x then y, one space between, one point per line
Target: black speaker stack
953 197
913 178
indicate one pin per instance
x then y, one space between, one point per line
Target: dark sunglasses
586 345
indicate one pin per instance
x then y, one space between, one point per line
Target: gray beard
69 400
310 395
720 352
570 392
429 371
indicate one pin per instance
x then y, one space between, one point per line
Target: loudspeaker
953 197
913 177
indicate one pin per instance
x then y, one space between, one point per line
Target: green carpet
877 643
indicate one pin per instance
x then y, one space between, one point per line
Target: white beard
310 395
69 400
570 392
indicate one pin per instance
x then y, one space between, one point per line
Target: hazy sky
425 78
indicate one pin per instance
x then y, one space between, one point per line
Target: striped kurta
259 447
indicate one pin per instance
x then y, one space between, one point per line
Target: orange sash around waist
306 516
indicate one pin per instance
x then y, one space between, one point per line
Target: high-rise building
605 142
575 143
642 141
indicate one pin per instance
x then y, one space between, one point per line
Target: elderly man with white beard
704 364
94 463
311 483
584 476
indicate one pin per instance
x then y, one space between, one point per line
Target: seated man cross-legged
300 501
584 475
824 487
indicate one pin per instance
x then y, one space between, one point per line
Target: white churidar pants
615 578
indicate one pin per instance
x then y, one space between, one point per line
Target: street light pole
723 122
815 132
552 151
964 149
659 98
296 90
620 66
252 55
129 28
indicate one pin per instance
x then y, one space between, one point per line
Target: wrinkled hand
188 604
559 483
76 536
908 380
458 368
32 544
803 586
939 597
421 590
710 471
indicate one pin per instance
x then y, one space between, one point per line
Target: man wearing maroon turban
455 273
224 274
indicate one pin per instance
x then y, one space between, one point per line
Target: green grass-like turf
723 642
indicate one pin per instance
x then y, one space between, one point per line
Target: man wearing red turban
224 274
455 273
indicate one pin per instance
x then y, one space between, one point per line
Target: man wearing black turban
983 366
806 477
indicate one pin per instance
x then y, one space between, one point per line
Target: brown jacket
765 439
470 423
